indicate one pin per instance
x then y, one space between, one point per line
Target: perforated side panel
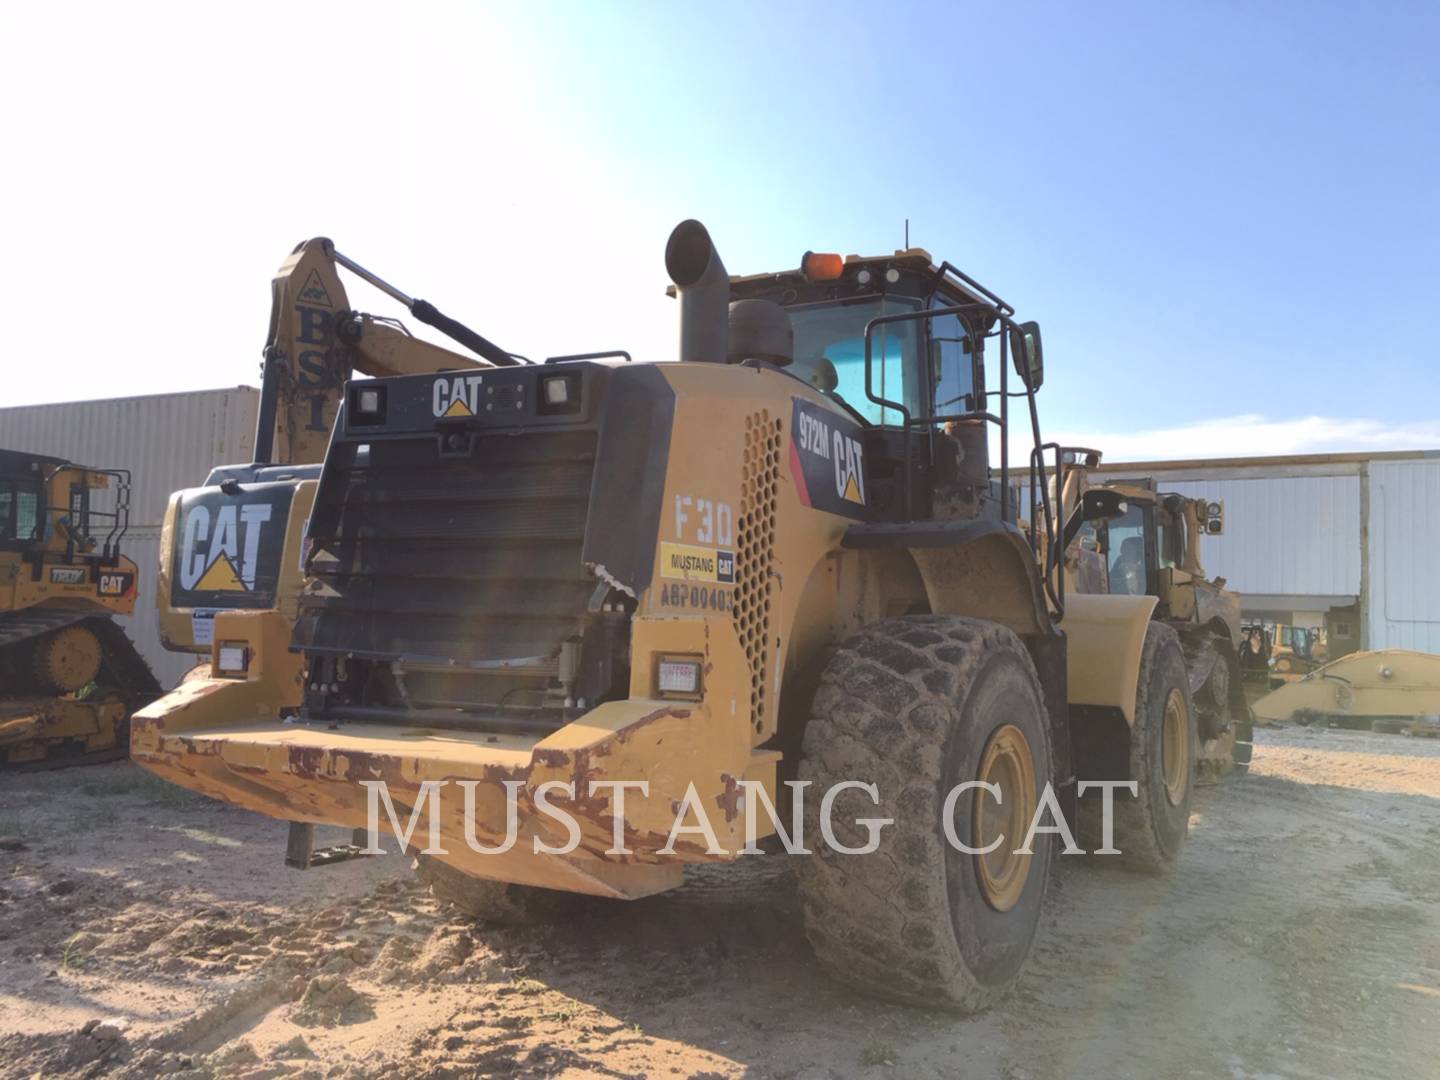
754 549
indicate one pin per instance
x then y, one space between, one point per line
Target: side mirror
1028 355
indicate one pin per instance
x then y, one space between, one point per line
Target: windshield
830 354
19 512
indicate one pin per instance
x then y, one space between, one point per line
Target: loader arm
316 342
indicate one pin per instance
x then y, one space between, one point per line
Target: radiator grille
466 561
754 549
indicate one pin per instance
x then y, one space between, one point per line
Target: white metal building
1323 534
168 442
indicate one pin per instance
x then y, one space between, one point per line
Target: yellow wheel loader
1293 650
591 621
1137 540
69 677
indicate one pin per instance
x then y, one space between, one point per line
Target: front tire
1150 829
916 706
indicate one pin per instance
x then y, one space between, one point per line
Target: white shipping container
167 441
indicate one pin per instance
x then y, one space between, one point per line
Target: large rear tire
916 706
1150 829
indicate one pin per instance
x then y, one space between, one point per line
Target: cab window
1170 538
830 354
954 362
1126 552
19 512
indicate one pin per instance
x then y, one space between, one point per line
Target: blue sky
1222 215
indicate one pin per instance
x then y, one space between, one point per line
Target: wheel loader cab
1147 536
901 344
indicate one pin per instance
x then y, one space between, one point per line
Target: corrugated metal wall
168 442
1404 576
1291 535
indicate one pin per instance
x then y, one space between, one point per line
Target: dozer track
49 731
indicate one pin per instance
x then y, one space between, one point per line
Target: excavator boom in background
230 543
316 342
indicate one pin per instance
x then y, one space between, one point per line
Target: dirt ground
144 930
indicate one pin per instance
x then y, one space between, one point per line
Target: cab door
1131 561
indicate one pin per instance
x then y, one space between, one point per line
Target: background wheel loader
69 677
1147 542
787 556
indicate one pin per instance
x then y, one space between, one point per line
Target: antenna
907 234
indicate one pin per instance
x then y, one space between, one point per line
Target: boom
316 342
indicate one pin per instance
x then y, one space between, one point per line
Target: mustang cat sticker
827 460
696 563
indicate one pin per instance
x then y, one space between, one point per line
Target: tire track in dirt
1297 938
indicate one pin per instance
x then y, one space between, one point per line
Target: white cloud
1250 435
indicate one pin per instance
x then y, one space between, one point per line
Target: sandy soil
144 930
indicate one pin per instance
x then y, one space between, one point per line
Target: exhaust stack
703 287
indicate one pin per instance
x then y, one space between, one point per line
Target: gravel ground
145 930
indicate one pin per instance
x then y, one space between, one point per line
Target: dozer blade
56 733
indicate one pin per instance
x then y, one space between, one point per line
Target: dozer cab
617 605
1128 538
69 677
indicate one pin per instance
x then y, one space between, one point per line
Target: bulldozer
69 676
647 616
1148 543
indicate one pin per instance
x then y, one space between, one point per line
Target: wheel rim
1008 764
1175 747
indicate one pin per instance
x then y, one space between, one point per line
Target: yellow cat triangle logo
852 491
221 577
458 408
